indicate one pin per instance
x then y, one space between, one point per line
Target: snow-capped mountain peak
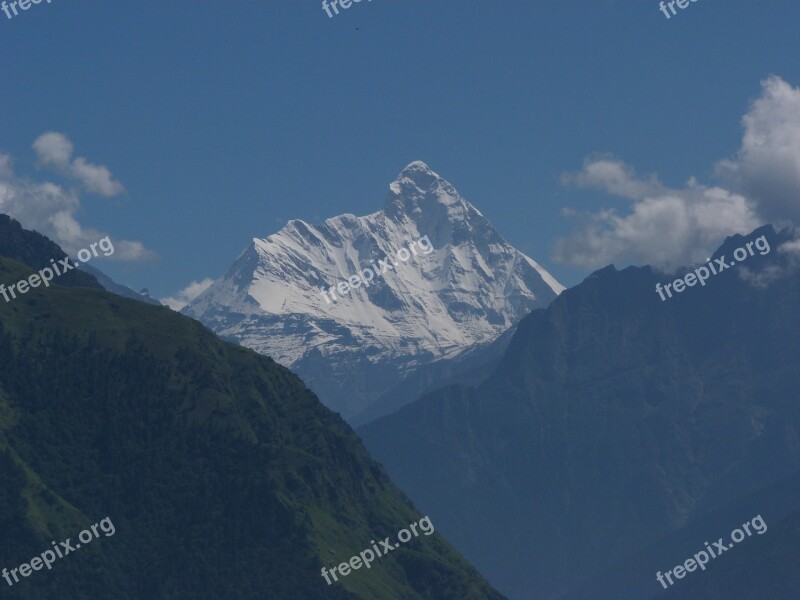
466 288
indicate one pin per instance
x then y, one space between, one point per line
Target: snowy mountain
443 282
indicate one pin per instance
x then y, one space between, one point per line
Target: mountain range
462 289
616 429
223 474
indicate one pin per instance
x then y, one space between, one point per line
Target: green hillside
223 475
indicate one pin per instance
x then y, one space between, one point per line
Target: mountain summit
463 287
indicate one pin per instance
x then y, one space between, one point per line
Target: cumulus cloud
664 227
789 252
668 228
767 165
187 294
55 150
51 210
613 176
6 169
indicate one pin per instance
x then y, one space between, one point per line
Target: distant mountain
463 289
472 367
614 420
633 576
765 567
115 288
223 475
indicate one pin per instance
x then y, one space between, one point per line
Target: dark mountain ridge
613 420
35 250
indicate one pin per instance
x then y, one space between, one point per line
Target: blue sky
223 120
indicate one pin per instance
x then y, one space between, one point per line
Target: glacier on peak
472 288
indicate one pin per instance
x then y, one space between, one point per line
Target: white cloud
6 169
664 227
668 228
771 273
96 178
767 166
613 176
187 294
792 249
51 210
55 150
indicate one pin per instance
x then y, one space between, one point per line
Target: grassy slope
223 474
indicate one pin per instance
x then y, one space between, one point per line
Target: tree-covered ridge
223 474
35 250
